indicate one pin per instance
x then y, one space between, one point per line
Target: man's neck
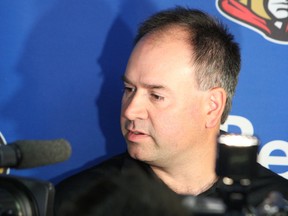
187 185
193 177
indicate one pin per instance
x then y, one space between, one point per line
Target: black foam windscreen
34 153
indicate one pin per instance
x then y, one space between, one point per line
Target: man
172 105
179 83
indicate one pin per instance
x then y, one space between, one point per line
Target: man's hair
215 53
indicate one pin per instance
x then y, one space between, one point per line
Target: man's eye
129 89
157 97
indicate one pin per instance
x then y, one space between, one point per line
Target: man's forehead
149 84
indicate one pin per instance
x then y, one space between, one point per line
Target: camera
236 166
21 196
25 197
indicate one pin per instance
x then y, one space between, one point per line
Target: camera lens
14 200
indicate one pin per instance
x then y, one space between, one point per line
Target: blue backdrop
61 63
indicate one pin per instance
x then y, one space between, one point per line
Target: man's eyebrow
125 79
145 85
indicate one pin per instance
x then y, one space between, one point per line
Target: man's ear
216 103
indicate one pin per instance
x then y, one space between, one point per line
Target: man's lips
134 135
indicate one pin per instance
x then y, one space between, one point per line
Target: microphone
33 153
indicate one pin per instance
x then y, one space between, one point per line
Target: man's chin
142 157
136 154
133 154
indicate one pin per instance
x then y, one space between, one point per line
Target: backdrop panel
61 63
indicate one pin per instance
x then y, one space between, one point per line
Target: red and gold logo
267 17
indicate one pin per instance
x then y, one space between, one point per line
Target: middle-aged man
179 83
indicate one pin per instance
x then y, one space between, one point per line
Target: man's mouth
137 132
135 136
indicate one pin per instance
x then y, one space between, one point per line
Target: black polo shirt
264 182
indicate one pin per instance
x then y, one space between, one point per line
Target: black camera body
236 166
25 196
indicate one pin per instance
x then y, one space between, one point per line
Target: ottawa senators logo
267 17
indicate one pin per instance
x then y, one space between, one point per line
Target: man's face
162 109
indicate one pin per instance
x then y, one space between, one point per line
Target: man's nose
135 107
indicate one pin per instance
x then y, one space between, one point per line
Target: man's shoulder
109 166
116 165
73 185
268 179
266 182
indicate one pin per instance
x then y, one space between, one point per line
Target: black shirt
264 182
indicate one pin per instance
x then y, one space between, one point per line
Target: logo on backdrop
267 17
273 155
